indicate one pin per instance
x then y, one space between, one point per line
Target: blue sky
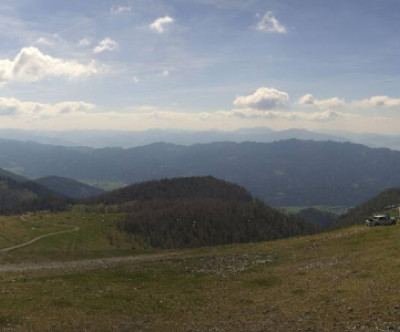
200 64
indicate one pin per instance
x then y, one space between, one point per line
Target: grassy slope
98 237
337 281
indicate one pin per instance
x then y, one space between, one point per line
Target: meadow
343 280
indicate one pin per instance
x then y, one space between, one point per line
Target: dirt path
25 244
89 264
101 263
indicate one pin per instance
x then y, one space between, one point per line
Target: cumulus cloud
120 10
14 107
378 101
159 24
263 99
106 44
329 103
31 65
307 99
270 24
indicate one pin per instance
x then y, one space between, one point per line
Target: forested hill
173 189
23 196
194 212
284 173
69 187
377 204
7 174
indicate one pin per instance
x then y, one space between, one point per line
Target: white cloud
325 116
49 40
135 79
106 44
87 41
120 10
263 99
270 24
166 73
335 102
77 115
307 99
44 41
377 101
248 114
289 116
31 65
15 107
329 103
159 24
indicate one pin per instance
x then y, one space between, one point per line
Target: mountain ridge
283 173
68 187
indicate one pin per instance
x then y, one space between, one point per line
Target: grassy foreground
346 280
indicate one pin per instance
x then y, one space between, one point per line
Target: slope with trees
319 218
198 211
69 187
22 196
359 214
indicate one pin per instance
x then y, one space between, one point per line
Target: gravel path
87 264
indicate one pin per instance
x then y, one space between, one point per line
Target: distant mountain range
285 173
128 139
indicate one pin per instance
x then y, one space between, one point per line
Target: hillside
196 211
22 196
7 174
377 204
178 188
98 279
284 173
68 187
321 219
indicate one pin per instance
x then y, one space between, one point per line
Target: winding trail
25 244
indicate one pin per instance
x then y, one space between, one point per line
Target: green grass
98 236
14 230
343 280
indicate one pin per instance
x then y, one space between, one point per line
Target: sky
200 64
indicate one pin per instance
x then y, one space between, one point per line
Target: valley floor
97 279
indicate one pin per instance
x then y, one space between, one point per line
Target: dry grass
347 280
